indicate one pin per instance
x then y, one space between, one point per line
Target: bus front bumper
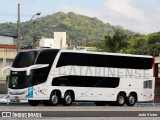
14 96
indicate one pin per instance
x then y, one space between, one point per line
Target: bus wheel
101 103
131 100
120 99
68 99
54 99
33 102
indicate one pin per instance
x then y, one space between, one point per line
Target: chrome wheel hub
68 99
131 100
121 99
54 99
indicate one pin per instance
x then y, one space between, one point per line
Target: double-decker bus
54 76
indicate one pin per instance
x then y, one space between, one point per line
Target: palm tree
116 42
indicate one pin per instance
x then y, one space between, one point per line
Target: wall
3 87
46 42
6 40
58 42
7 53
60 39
6 58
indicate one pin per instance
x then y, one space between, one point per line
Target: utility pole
18 30
33 31
34 36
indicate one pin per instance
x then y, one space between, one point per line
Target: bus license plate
16 97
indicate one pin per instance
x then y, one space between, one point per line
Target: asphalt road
75 107
83 111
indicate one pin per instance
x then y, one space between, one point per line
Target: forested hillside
86 31
136 44
144 44
81 30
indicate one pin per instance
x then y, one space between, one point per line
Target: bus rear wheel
68 99
33 102
54 99
131 100
121 99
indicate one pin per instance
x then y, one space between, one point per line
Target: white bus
54 76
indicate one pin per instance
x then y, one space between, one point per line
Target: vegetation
113 43
81 30
136 44
144 44
86 31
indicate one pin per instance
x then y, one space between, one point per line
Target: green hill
144 44
81 30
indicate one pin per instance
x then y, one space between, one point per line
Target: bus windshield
25 59
24 62
19 80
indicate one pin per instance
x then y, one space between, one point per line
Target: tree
116 42
154 45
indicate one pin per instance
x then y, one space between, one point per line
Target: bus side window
147 84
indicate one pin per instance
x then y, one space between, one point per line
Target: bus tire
33 102
101 103
54 99
121 99
68 99
131 100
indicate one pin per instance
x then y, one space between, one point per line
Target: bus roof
90 52
38 50
105 53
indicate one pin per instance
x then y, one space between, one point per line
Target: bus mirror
40 66
5 68
37 66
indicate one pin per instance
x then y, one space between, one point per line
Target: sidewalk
3 81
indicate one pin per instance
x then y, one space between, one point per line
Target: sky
141 16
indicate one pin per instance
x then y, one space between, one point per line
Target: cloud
125 8
140 18
126 13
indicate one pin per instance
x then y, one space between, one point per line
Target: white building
46 42
7 53
58 42
7 40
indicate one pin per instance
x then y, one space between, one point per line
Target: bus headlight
16 93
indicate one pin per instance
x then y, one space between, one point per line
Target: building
157 80
6 39
58 42
7 54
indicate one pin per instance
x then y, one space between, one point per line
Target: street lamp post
34 25
34 35
35 15
18 30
